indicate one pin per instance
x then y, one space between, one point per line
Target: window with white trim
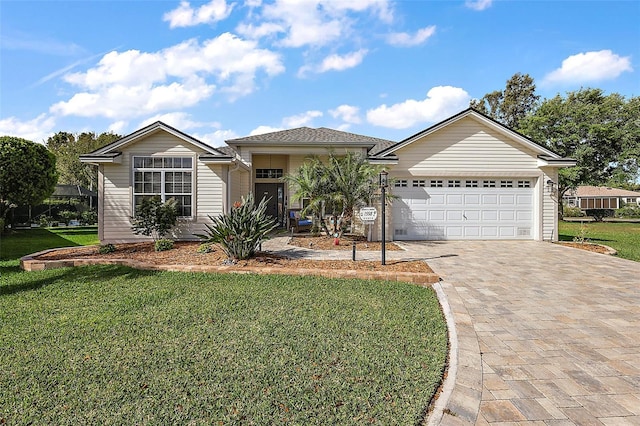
506 184
454 183
524 184
488 183
400 183
419 183
471 184
168 177
436 183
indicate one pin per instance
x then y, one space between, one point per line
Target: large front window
168 177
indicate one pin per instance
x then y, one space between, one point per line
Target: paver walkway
547 335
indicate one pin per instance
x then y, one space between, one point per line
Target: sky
223 69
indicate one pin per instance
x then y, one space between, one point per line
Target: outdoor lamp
384 182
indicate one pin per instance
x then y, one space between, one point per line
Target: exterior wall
549 214
239 186
117 191
466 148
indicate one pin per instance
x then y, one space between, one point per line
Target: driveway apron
546 334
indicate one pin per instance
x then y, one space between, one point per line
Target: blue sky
222 69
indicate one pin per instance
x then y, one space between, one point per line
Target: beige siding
549 206
466 148
239 185
118 193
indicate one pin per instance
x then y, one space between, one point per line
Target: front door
274 193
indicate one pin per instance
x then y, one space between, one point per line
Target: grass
624 237
113 345
19 243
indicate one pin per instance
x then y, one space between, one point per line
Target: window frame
164 195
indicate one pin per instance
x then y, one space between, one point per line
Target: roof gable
158 126
603 191
481 118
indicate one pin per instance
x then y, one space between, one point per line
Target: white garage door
462 209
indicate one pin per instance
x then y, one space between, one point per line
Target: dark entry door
274 192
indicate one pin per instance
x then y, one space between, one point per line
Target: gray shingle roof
310 136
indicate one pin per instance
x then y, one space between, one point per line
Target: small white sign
368 214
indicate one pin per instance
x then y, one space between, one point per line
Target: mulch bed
345 243
596 248
185 253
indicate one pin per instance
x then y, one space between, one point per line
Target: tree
155 218
27 174
600 132
68 148
343 183
512 104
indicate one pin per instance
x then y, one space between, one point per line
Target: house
600 197
467 177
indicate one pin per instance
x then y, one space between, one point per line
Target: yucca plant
240 233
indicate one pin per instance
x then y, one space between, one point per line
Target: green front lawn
113 345
624 237
21 242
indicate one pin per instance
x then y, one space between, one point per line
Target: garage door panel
454 199
443 213
507 215
454 215
436 215
507 199
471 199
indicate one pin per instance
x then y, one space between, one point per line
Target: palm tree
310 181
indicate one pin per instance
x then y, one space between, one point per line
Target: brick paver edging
32 263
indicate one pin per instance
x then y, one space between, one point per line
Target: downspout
229 171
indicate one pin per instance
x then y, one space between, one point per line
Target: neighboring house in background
467 177
600 197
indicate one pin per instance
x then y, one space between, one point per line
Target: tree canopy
511 105
68 148
27 173
601 132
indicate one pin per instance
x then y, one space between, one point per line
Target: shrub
67 215
106 248
163 244
599 214
206 248
155 218
241 232
45 221
572 211
89 217
581 236
629 210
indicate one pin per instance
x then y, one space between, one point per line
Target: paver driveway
547 334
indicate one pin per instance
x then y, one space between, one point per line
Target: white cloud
590 66
342 62
406 39
313 22
346 113
179 120
133 83
335 62
300 120
478 4
441 102
209 13
261 130
36 130
216 138
118 127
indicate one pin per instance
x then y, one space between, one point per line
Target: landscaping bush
45 221
163 244
599 214
241 232
205 248
106 248
572 211
67 215
155 218
628 211
89 217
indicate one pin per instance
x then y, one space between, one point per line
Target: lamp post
383 187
